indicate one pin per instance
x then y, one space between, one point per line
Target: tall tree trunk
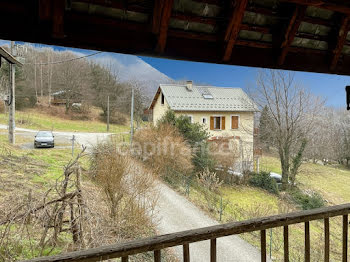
285 165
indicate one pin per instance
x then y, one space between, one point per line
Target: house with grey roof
224 112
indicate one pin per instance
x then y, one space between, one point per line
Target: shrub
110 170
209 185
27 101
115 118
264 181
307 200
163 150
128 189
194 134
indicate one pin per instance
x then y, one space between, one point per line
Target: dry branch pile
77 212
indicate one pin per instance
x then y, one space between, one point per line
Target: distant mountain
127 67
132 68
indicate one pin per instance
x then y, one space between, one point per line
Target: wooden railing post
213 250
345 238
157 256
286 243
326 239
186 252
307 241
212 233
263 245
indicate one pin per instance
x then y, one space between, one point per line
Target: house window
204 120
190 118
217 123
162 98
234 122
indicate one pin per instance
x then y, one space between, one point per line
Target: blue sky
331 87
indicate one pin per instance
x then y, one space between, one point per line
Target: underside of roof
305 35
8 57
205 98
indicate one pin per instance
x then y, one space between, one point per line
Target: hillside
44 118
332 182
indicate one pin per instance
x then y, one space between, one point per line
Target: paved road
175 213
86 139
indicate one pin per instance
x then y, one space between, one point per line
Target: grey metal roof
180 98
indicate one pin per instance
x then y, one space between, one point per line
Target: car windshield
44 134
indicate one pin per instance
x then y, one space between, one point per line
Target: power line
65 61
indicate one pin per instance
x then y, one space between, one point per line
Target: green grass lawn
332 182
34 170
244 202
40 121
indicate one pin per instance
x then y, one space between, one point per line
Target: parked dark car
44 139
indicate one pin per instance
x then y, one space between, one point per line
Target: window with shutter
234 122
217 122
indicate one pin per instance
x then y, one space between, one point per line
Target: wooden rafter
342 33
233 28
53 11
160 22
58 9
290 32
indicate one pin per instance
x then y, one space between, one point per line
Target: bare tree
293 110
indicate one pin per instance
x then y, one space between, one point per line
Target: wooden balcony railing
184 238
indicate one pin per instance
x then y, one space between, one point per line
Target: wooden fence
185 238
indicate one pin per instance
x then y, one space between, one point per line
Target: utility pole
107 113
41 81
12 107
48 77
132 116
35 86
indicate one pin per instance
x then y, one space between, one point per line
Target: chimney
189 85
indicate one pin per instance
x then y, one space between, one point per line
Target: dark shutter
234 122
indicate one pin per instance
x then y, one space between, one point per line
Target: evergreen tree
266 124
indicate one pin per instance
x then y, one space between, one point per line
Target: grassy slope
244 202
24 170
33 119
331 181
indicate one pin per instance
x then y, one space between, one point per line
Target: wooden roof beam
160 22
290 32
342 34
233 28
59 7
53 11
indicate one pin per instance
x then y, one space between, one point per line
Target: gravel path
86 139
175 213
